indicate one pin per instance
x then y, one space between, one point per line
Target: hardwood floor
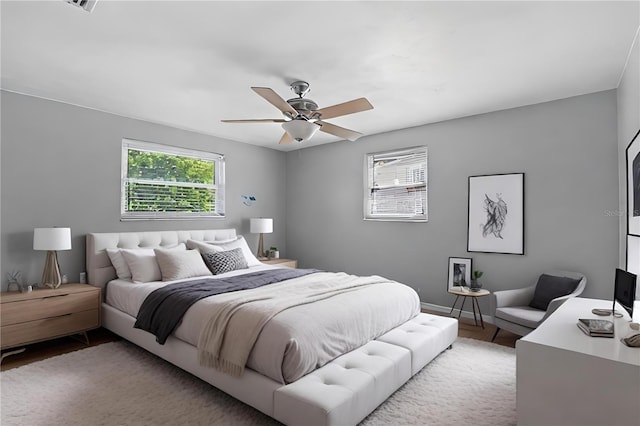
467 328
55 347
44 350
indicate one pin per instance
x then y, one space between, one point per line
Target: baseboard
447 309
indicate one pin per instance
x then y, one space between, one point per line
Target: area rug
118 383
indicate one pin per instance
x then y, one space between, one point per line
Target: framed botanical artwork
633 186
459 272
496 214
633 254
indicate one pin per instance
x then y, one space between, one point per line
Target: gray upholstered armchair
511 309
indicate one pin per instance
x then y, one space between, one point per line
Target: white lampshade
300 130
52 239
261 225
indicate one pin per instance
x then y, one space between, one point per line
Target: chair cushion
549 287
522 315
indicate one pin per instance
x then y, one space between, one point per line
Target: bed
337 377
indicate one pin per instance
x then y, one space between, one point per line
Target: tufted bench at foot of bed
346 390
425 336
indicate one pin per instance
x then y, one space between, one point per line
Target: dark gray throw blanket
163 309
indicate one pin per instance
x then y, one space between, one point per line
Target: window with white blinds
164 182
396 185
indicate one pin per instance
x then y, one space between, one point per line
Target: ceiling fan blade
274 99
341 132
257 120
286 138
356 105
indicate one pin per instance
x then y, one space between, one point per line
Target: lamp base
51 274
52 285
260 253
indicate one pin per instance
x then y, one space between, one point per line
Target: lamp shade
261 225
300 129
52 239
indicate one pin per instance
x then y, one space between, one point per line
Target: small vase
475 285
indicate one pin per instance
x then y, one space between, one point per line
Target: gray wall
628 126
61 167
567 150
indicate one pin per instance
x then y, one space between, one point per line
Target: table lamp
51 239
261 226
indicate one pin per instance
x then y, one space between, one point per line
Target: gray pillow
225 261
549 287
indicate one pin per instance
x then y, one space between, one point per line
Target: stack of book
596 327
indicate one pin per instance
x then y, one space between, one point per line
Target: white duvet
300 339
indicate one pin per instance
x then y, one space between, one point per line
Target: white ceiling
191 64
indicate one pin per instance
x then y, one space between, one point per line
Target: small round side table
466 292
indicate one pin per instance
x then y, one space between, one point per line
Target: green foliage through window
167 182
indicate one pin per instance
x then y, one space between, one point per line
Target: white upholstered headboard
99 268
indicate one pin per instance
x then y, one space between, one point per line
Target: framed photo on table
496 214
633 186
459 272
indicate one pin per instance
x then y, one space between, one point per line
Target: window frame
218 183
369 159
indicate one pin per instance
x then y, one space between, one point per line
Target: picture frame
633 254
632 155
496 214
459 273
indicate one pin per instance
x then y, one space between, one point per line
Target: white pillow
225 241
202 246
143 264
120 264
117 260
180 264
240 242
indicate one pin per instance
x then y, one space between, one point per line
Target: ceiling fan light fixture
300 129
302 116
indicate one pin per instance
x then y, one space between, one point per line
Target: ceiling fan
302 116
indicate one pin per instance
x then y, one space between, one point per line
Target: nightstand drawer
48 307
287 263
49 328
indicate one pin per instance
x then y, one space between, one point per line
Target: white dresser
565 377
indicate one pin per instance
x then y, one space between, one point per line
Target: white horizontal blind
163 182
396 185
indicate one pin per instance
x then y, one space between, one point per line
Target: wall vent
87 5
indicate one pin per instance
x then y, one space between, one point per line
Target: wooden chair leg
495 334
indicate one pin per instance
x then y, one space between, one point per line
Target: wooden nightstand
45 314
289 263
